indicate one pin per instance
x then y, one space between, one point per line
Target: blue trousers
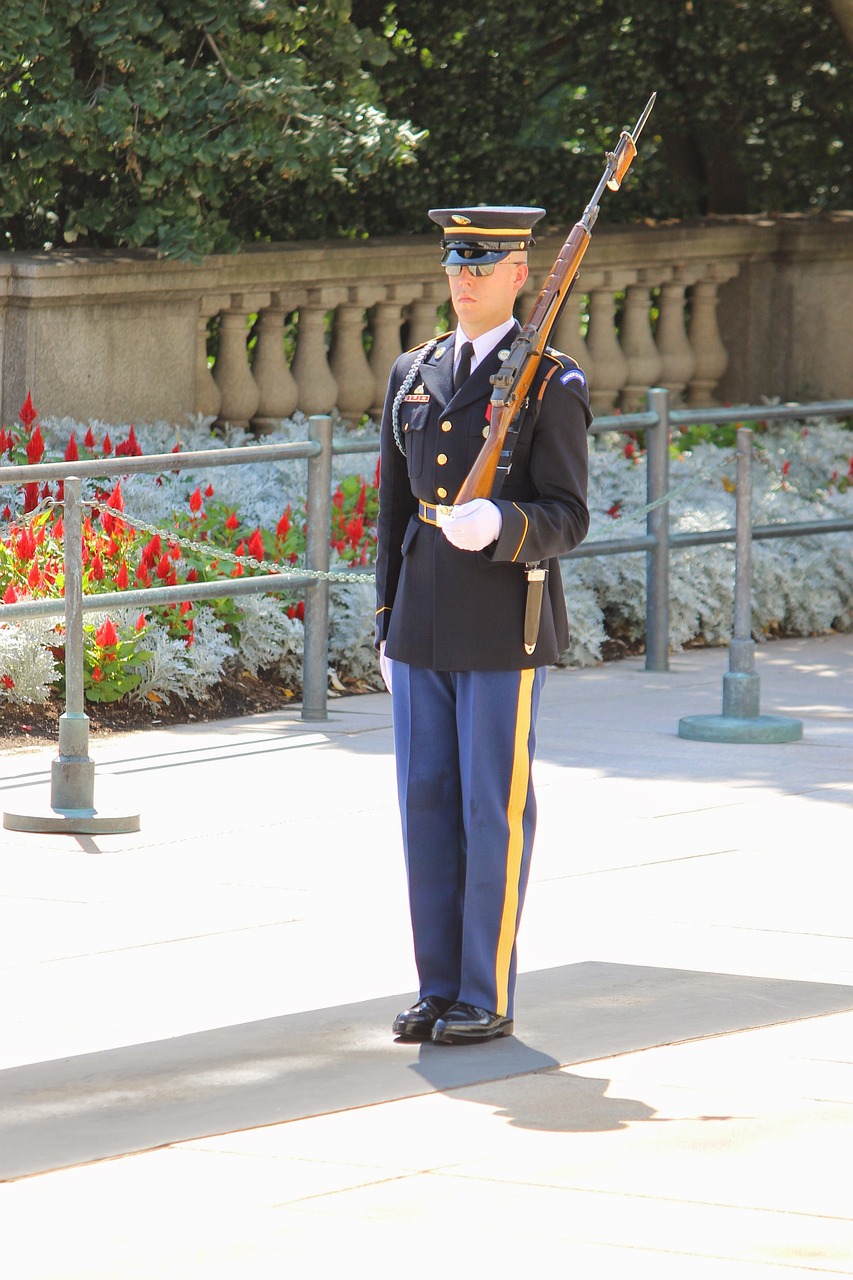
464 745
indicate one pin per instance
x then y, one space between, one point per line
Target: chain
706 473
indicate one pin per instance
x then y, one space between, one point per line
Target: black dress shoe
469 1024
417 1023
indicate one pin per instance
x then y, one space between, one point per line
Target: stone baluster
318 390
677 358
567 335
207 398
276 384
638 344
711 357
237 387
348 360
611 367
387 320
423 320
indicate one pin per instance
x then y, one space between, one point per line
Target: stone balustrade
723 310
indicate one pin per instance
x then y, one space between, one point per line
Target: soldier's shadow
539 1094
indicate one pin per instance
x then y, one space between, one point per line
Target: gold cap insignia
460 220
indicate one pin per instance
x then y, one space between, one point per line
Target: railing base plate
73 821
740 729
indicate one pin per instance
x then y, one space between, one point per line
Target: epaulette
421 345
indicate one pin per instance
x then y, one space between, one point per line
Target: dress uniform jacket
452 610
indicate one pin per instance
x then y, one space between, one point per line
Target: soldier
462 657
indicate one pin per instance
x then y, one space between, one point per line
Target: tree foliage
520 101
191 125
194 126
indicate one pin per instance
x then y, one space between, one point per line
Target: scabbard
536 576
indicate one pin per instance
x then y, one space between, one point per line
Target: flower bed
206 525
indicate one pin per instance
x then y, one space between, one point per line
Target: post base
740 728
89 822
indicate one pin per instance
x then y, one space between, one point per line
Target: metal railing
317 577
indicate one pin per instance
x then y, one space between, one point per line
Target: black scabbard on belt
536 575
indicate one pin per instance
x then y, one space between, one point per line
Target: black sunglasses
476 269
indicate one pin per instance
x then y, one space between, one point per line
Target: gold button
441 459
447 426
442 493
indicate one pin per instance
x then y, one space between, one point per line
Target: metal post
72 775
657 527
741 686
741 720
315 661
72 779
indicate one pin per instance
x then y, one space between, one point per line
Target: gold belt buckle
443 512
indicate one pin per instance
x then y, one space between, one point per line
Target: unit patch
414 399
573 375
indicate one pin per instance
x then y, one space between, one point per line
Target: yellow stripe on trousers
515 846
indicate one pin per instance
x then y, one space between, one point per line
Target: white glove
473 525
385 665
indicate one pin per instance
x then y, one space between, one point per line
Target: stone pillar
207 397
276 384
237 387
348 360
644 362
424 314
711 357
387 321
678 360
566 335
318 390
611 367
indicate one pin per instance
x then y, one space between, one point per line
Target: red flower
121 576
31 497
208 493
240 549
185 607
89 439
338 498
196 500
786 467
361 501
174 551
10 595
34 578
192 576
630 450
71 454
27 413
616 510
116 500
233 523
282 529
130 448
35 447
164 567
7 512
107 446
141 623
97 568
106 636
256 545
6 440
8 682
25 545
97 674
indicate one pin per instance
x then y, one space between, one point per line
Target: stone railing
724 310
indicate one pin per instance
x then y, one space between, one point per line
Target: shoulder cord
407 384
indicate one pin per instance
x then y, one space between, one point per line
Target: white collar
483 345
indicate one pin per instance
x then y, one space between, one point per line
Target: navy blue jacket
453 610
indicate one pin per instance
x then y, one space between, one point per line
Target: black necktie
464 366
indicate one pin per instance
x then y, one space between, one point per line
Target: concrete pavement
196 1068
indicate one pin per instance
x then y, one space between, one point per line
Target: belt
432 513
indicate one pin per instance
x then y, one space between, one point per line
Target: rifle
515 376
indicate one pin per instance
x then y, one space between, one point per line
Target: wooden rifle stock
513 380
